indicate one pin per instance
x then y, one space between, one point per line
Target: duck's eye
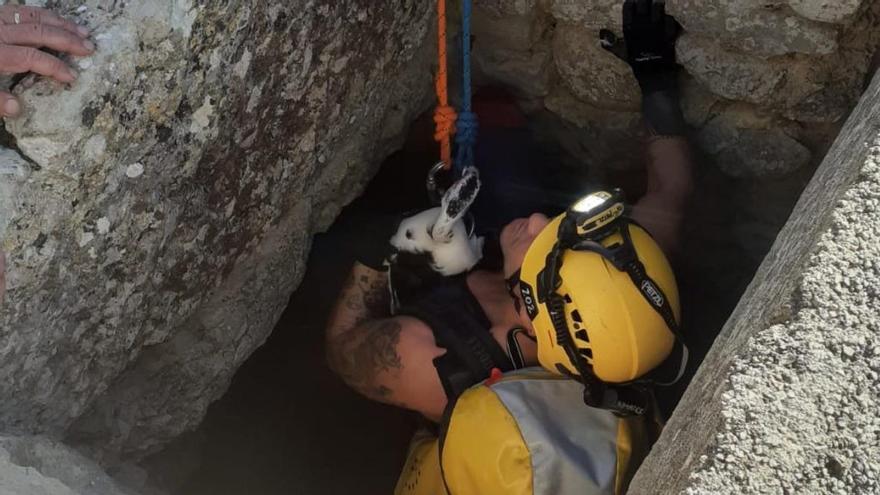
409 234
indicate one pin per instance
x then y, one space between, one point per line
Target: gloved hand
649 48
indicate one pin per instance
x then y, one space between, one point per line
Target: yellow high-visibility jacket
527 434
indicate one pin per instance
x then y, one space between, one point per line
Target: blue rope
467 125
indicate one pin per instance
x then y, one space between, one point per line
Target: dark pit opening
288 425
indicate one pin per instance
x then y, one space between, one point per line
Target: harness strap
514 350
471 353
460 326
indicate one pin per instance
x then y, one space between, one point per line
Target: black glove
649 48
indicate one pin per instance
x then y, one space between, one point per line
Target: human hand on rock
23 31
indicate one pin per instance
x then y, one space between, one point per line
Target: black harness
462 328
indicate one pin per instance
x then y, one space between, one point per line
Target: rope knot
444 118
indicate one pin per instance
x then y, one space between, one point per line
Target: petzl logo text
652 292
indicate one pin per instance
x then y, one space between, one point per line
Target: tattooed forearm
361 341
364 296
363 354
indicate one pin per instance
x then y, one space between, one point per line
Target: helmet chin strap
514 350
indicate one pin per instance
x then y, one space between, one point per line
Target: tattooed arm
388 359
364 296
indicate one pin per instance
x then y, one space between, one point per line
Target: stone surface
833 11
734 75
172 195
530 74
798 411
39 466
595 136
763 28
510 49
799 72
593 74
594 14
14 171
802 88
506 8
698 103
745 144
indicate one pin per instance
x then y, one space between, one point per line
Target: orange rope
444 115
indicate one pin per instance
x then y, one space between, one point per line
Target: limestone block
698 104
511 49
762 28
510 33
744 143
834 11
503 8
593 14
727 73
577 112
39 466
809 89
592 73
529 73
602 140
172 196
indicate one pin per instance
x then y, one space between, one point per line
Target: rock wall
765 88
795 412
766 82
39 466
157 213
779 404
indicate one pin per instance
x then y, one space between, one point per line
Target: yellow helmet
602 298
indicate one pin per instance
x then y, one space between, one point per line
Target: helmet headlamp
592 217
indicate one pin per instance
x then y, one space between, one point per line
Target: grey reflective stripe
573 447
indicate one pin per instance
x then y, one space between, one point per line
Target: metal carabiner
434 192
